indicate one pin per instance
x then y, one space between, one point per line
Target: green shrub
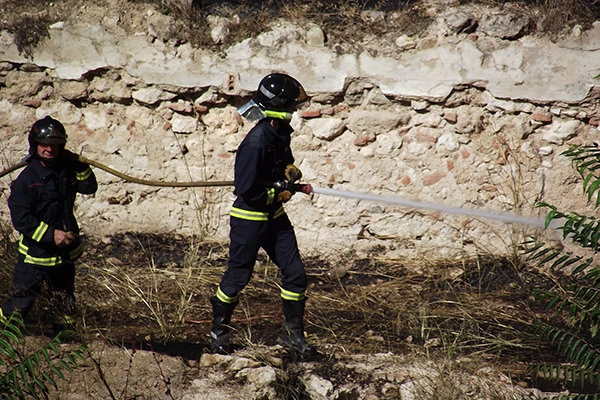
32 376
574 329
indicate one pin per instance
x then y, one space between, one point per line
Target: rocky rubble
266 373
473 113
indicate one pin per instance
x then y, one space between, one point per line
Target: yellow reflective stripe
38 234
224 298
278 114
249 215
270 196
255 215
83 175
287 295
43 261
63 319
279 212
76 252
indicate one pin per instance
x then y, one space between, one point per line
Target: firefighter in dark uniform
41 207
257 218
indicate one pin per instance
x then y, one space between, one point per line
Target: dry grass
476 307
8 255
343 21
433 307
136 289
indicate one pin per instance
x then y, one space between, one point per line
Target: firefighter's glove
284 191
70 156
284 196
74 160
292 173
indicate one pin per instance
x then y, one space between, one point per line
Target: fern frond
560 258
587 163
32 375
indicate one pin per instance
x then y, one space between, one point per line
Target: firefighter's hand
74 160
63 239
292 173
284 196
70 156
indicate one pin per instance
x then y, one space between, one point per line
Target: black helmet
279 92
47 131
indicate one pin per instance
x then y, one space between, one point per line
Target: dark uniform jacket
42 200
261 158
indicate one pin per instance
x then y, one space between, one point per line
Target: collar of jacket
277 135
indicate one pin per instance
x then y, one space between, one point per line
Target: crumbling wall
452 141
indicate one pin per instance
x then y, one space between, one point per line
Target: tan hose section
131 178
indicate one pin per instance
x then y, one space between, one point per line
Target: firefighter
41 208
257 218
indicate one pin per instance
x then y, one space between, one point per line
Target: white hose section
499 216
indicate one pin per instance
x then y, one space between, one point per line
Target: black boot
219 340
292 336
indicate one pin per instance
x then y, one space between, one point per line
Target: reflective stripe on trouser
287 295
224 298
27 284
277 238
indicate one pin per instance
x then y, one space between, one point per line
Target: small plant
32 376
574 331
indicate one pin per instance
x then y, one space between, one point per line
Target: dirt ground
150 292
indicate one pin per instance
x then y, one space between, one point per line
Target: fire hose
130 178
498 216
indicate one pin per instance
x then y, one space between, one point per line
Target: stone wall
472 118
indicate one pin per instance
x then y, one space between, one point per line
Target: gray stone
315 36
559 131
183 124
375 121
405 42
461 21
73 90
326 128
261 377
318 388
151 95
505 25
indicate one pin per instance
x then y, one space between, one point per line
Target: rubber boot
292 336
219 338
